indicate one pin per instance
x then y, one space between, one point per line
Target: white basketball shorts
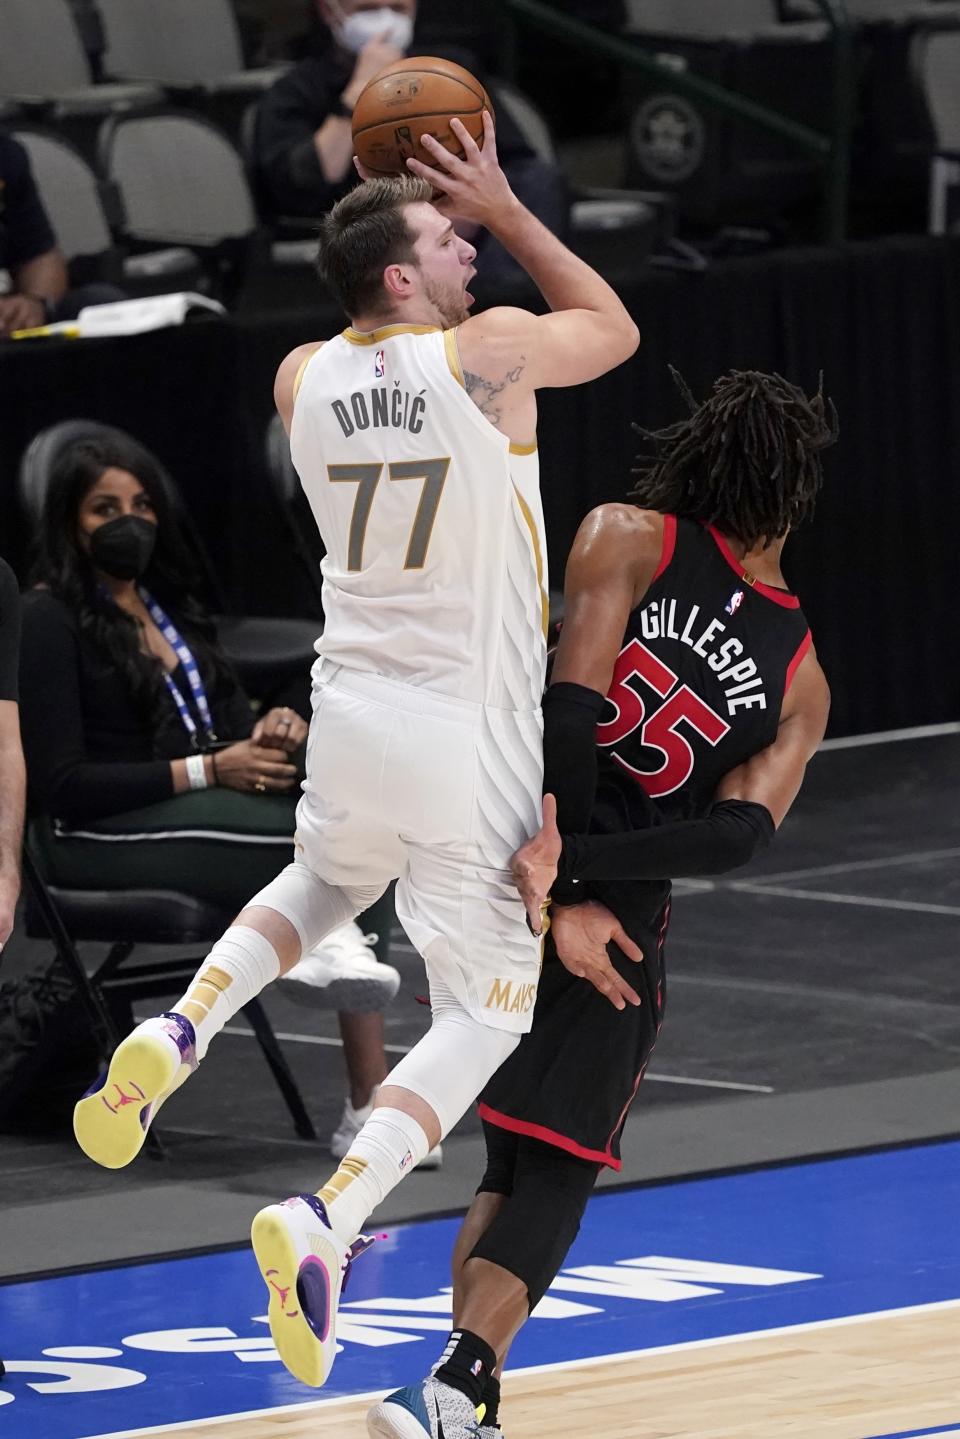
436 792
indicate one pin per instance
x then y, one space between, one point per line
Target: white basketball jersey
435 571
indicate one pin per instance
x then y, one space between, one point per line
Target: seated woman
135 725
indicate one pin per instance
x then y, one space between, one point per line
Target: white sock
389 1146
240 964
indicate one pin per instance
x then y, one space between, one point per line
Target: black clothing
287 166
25 231
91 749
468 1362
698 688
699 684
9 631
572 1079
546 1192
570 715
729 836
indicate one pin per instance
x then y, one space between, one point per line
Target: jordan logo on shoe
282 1293
123 1099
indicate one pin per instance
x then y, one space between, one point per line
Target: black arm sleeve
732 833
9 632
570 714
63 779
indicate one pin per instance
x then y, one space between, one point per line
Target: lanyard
177 643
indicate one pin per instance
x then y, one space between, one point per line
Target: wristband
196 771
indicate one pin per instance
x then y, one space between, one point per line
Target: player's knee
531 1237
452 1062
532 1234
312 905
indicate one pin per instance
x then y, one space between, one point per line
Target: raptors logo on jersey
435 572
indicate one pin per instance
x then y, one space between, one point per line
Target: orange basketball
415 97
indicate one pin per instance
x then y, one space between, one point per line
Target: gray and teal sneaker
430 1408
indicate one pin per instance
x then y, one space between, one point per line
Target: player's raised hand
534 866
473 187
581 933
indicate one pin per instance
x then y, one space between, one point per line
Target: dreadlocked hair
746 460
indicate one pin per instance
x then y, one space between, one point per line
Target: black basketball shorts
572 1079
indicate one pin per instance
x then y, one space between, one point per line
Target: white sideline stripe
852 865
568 1364
708 1083
228 836
910 906
328 1042
891 736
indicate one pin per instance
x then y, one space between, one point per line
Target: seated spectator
304 145
41 289
135 725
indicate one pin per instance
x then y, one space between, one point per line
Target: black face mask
123 548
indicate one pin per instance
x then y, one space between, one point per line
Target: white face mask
359 29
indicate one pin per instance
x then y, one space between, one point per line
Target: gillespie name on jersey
740 677
383 408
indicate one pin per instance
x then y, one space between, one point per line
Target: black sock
467 1364
491 1401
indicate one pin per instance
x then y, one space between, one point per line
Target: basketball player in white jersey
414 435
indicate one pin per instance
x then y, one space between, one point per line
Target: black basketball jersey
706 659
698 686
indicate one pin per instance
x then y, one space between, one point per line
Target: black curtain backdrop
875 570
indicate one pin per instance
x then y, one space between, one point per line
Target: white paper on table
133 317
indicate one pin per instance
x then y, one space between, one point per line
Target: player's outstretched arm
751 803
590 331
287 383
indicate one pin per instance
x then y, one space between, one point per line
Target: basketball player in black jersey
684 704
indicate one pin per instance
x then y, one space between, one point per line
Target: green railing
831 150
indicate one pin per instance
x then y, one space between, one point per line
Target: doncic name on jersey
382 408
740 676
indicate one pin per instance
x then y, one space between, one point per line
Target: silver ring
260 786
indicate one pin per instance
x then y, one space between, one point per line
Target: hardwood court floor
848 1380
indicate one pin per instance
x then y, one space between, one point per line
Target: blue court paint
945 1433
185 1340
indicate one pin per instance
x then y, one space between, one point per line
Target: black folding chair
125 919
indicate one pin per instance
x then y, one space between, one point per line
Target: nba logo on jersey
380 365
734 603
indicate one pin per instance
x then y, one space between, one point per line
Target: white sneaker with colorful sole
304 1266
112 1119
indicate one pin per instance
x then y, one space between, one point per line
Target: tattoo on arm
486 394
